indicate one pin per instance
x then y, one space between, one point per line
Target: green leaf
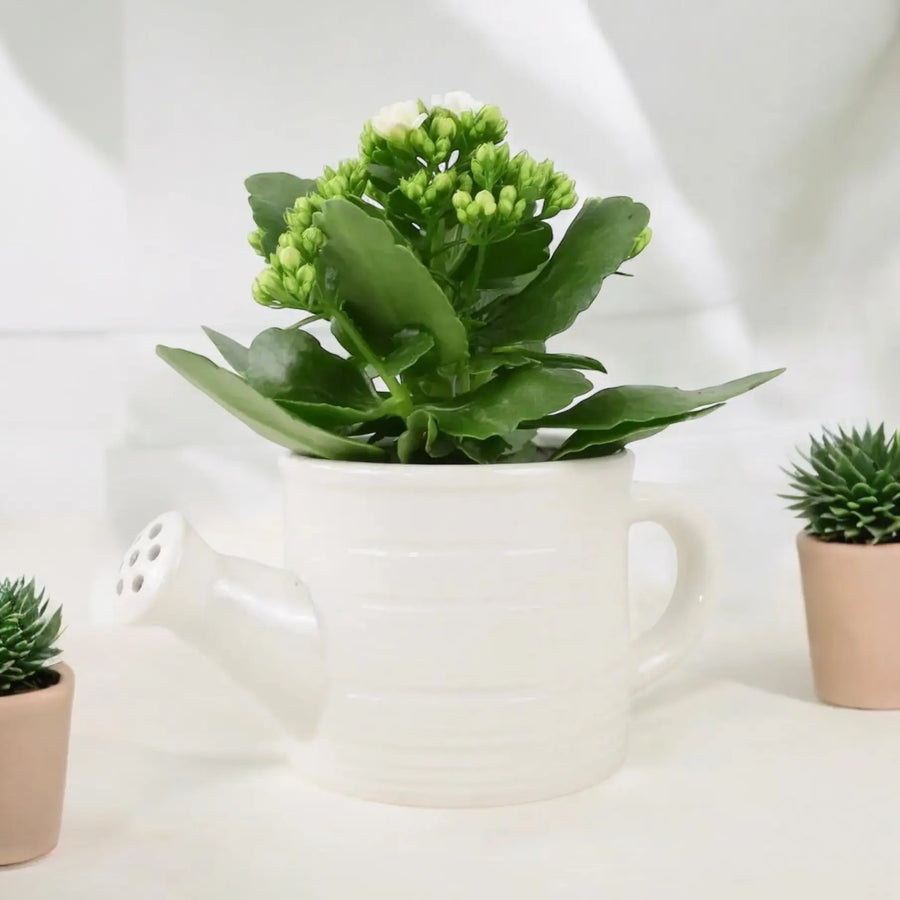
260 413
337 418
512 397
597 242
488 362
410 346
233 353
382 285
376 212
603 442
497 448
421 433
271 194
639 403
290 364
522 253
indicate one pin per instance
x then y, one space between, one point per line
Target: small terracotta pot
34 748
852 595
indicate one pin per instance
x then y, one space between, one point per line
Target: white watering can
460 636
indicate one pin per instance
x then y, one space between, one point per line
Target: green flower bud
259 295
255 239
290 258
312 240
300 216
443 125
306 277
505 207
508 192
443 182
414 187
369 141
485 200
641 241
421 143
489 163
442 149
489 124
269 290
461 200
543 175
336 186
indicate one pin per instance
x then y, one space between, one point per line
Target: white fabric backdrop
763 135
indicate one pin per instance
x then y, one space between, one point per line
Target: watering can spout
256 622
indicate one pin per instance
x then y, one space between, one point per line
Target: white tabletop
738 784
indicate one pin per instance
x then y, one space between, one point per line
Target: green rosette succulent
429 255
848 488
27 636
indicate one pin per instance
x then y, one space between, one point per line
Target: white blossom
456 102
395 120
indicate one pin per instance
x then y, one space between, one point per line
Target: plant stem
398 391
306 321
476 272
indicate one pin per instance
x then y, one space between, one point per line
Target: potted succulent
461 559
35 711
847 491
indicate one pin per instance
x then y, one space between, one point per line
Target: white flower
395 120
456 102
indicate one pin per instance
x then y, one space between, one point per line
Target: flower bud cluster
291 275
508 190
432 193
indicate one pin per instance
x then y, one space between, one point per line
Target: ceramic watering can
460 636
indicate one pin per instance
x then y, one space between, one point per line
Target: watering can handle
663 646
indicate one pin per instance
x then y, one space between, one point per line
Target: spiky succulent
849 491
27 635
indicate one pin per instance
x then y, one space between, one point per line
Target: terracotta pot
34 746
852 595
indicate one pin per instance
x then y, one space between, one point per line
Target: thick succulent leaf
643 403
376 212
497 448
383 286
603 442
290 364
409 347
271 194
262 414
522 253
337 418
488 362
597 242
512 397
419 437
233 353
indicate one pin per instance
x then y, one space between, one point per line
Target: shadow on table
780 672
787 674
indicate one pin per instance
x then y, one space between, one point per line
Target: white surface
737 784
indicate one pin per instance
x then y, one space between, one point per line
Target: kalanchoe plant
849 490
429 255
27 637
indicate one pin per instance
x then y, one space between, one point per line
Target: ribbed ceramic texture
474 624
